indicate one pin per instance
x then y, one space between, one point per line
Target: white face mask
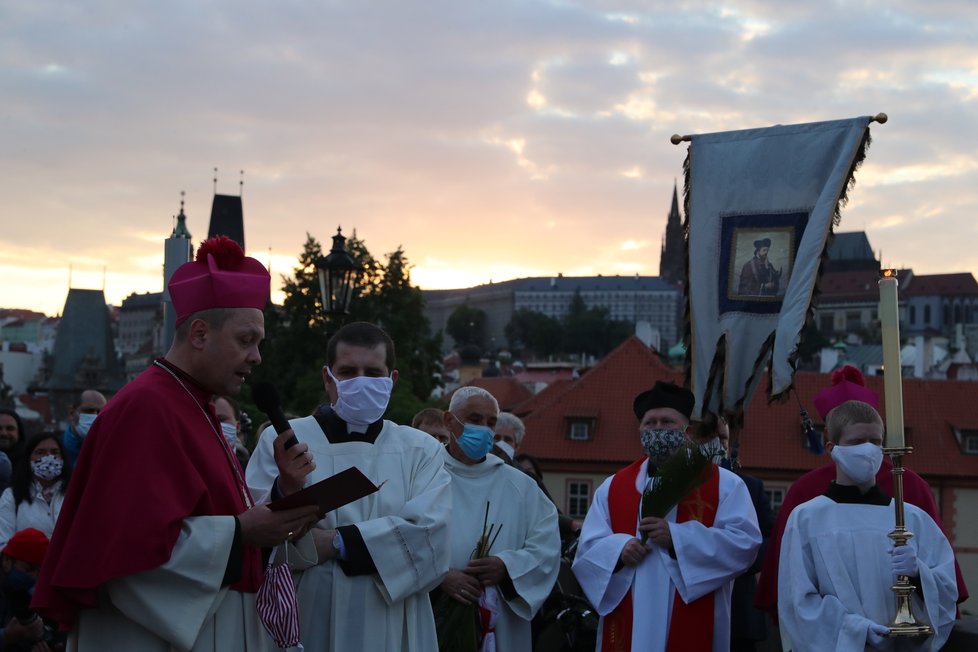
230 433
85 422
859 463
506 448
361 400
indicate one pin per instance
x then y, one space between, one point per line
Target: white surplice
404 527
528 543
836 573
177 606
708 559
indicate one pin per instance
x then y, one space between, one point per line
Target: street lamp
338 276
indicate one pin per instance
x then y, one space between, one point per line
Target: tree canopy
581 330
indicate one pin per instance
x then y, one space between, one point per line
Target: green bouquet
458 625
683 472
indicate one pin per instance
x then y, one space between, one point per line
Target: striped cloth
277 607
488 615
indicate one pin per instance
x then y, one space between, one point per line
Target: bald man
80 419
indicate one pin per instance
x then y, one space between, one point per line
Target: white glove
876 637
904 560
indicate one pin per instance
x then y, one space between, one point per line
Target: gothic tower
672 260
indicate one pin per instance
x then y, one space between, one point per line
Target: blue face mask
475 441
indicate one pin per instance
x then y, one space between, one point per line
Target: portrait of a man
761 264
758 275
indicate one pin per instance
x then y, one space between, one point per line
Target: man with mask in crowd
368 566
20 561
680 581
511 582
80 419
838 563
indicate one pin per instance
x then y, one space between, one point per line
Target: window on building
826 323
913 314
580 429
970 443
578 498
926 315
853 322
775 496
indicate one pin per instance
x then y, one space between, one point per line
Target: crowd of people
169 535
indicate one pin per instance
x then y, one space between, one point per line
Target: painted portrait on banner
757 253
761 262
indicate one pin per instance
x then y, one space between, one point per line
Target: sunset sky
491 140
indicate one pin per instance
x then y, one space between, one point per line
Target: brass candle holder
904 623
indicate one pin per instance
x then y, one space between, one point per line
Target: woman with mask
40 480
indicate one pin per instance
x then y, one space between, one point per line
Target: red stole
691 625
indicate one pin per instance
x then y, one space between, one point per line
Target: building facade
635 299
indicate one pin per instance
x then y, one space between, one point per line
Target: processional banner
760 206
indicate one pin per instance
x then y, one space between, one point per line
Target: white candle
892 372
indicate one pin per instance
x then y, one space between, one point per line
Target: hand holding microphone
292 458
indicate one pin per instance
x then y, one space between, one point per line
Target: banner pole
675 139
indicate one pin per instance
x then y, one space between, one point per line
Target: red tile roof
21 313
543 397
962 283
604 393
508 391
849 286
772 441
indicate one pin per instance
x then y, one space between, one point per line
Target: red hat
848 384
221 277
28 545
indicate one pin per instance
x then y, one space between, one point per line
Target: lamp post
339 273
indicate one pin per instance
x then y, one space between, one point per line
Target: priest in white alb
511 581
673 591
367 567
837 563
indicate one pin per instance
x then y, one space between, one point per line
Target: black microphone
266 399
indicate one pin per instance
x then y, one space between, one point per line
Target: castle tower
177 250
227 215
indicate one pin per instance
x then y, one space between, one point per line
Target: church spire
672 262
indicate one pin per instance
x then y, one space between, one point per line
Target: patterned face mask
714 450
661 444
48 467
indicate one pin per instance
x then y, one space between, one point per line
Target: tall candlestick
892 371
